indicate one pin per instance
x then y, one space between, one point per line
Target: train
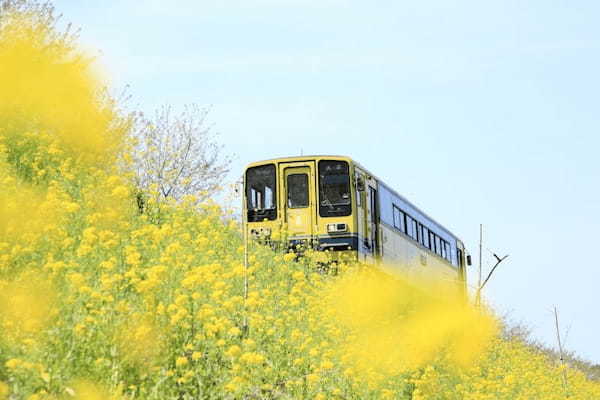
334 204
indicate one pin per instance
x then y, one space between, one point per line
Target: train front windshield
334 189
260 193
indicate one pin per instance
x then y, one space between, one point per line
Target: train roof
300 158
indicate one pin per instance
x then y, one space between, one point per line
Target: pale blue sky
478 112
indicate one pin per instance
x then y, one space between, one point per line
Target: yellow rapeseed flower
4 391
181 361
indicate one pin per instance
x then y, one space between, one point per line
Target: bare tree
43 9
43 15
178 155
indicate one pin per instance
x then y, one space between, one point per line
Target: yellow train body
332 203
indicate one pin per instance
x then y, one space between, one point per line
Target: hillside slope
98 300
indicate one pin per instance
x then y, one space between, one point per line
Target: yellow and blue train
333 203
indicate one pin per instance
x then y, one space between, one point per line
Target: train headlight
260 232
334 228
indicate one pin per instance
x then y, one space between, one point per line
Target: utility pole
481 286
480 244
245 236
560 352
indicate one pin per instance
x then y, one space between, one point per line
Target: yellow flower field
100 301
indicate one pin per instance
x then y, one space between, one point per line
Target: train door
298 199
372 215
361 216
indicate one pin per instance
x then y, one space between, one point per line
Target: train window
411 227
398 218
425 236
414 229
359 185
447 251
334 189
444 248
297 188
260 193
438 247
